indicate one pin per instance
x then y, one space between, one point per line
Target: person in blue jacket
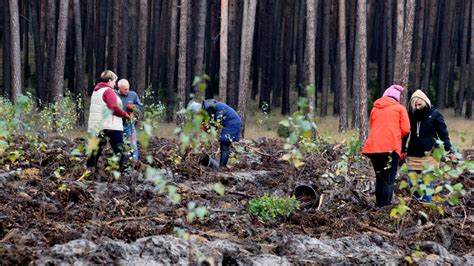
131 103
224 115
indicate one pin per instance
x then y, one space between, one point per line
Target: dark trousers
225 153
385 166
116 141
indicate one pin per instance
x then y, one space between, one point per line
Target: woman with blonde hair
427 125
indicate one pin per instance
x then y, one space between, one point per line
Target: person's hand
452 157
126 116
130 106
403 158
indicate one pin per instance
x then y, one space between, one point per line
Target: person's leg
385 167
134 142
95 154
225 153
127 145
116 141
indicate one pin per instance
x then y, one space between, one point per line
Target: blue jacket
226 116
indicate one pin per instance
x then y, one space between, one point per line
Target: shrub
271 207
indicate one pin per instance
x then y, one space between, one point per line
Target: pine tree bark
288 14
113 43
122 64
155 41
470 90
309 51
300 41
142 44
15 51
51 47
183 32
223 50
407 46
382 58
429 46
171 80
390 49
89 49
250 9
445 32
399 42
462 78
200 41
6 58
417 48
342 46
361 42
80 89
26 45
326 69
58 85
39 59
101 37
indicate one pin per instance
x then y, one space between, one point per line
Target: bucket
307 196
209 161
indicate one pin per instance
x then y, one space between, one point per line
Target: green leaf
219 188
191 205
438 189
438 154
284 123
454 173
449 187
453 200
201 212
403 184
423 214
458 187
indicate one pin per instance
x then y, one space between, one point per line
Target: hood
420 94
385 102
101 85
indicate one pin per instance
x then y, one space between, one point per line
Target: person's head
419 101
123 86
108 77
394 92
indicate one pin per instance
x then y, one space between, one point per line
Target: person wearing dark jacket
427 125
105 118
130 103
228 118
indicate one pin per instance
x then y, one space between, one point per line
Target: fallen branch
376 230
465 217
138 218
320 201
226 210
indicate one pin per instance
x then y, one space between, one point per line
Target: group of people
397 135
113 116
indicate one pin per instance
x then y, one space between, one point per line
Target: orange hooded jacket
389 123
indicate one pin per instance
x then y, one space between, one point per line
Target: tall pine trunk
309 51
429 46
142 41
326 70
361 43
15 51
171 80
417 48
342 46
60 59
39 59
462 78
470 90
200 41
407 45
223 50
80 89
443 66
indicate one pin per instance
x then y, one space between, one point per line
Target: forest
302 75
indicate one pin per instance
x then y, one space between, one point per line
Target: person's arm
110 98
442 131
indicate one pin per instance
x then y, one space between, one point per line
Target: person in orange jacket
389 123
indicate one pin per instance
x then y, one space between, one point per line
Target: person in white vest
105 118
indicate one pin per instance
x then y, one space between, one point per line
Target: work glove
130 106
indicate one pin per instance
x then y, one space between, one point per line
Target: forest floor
103 219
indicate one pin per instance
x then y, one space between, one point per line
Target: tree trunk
39 59
183 33
142 40
51 44
417 48
15 51
155 41
80 89
199 55
223 50
443 65
390 49
235 26
250 8
300 41
113 44
462 78
471 70
399 42
407 45
6 57
170 89
326 69
361 43
429 46
132 71
26 46
309 51
58 85
288 14
122 63
342 66
101 37
90 37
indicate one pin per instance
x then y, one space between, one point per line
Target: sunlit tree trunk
58 85
309 51
342 66
250 8
361 42
171 80
407 45
183 32
199 54
15 51
223 50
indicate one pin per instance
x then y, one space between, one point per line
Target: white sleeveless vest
100 116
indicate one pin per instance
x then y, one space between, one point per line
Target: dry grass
262 125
